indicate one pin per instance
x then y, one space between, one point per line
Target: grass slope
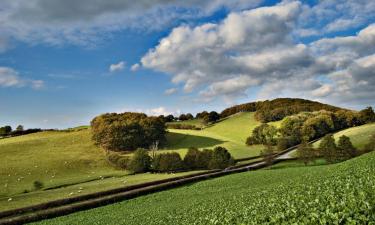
230 133
358 135
68 159
334 194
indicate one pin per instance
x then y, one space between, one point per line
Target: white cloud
257 48
10 78
117 67
86 22
171 91
135 67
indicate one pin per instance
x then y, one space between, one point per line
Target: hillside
358 135
331 194
230 133
57 159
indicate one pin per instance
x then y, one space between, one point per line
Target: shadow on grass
178 141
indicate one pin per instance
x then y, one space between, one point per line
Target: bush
140 162
38 185
167 162
284 143
191 158
220 159
118 160
204 159
182 126
267 154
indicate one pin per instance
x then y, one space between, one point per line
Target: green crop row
335 194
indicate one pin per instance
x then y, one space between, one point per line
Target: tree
127 131
346 150
263 134
182 117
19 128
189 116
169 118
367 115
220 159
140 162
6 130
201 115
370 146
211 117
267 154
328 148
306 153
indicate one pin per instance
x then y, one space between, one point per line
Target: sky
62 62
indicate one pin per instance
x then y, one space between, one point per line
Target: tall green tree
306 153
328 148
345 148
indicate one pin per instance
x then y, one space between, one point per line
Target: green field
230 133
358 135
58 159
332 194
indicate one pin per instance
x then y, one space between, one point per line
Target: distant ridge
277 109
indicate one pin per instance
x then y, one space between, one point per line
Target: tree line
7 131
277 109
141 161
307 126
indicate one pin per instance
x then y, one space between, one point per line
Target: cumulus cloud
84 22
171 91
330 16
246 49
257 48
10 78
117 67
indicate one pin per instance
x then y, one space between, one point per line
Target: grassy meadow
67 163
230 133
332 194
359 136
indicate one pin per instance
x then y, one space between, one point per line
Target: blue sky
55 69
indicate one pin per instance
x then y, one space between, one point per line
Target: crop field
333 194
230 133
67 163
358 135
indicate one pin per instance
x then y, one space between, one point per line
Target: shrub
167 162
191 158
118 160
286 142
220 159
182 126
140 162
204 159
38 185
